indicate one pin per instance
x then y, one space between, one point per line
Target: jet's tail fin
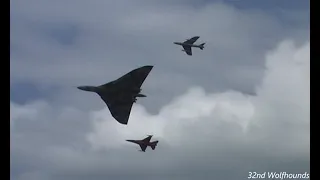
154 144
202 46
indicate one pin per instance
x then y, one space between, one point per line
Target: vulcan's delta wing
119 95
191 40
121 98
132 80
119 106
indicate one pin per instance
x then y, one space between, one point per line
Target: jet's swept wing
147 139
192 40
187 49
119 94
143 147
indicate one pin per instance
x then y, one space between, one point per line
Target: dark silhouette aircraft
144 143
190 43
120 94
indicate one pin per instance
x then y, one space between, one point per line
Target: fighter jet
144 143
120 94
190 43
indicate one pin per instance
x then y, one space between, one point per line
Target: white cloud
279 110
25 112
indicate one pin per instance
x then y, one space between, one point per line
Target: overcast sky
240 105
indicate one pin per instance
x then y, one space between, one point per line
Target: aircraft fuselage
140 142
185 44
118 92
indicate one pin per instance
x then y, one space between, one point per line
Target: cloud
199 107
105 41
281 101
202 135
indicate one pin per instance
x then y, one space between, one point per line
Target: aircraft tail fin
202 46
154 144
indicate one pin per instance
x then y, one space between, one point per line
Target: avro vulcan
120 94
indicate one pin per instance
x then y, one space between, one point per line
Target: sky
240 105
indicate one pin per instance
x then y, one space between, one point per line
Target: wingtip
121 122
148 66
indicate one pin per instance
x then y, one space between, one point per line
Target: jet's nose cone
88 88
85 88
81 87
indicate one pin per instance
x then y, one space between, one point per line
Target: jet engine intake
141 95
134 98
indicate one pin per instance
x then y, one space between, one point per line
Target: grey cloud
105 42
113 38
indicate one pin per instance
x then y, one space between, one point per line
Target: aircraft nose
80 87
83 88
88 88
